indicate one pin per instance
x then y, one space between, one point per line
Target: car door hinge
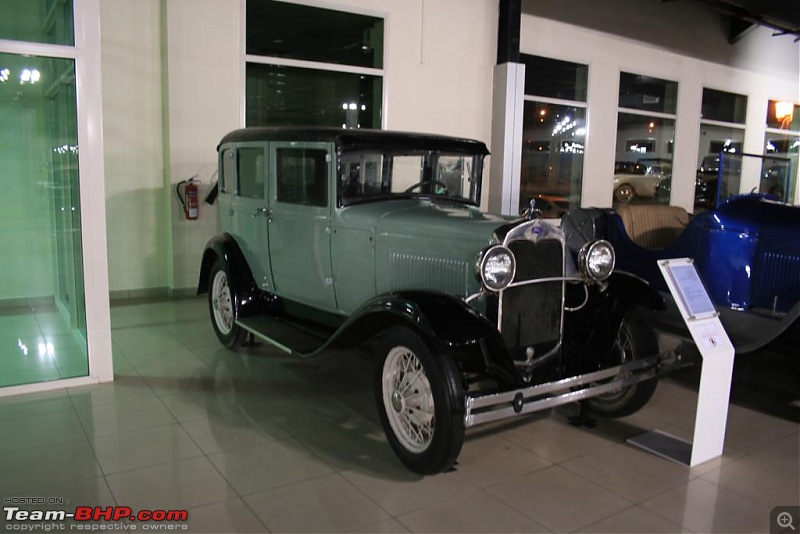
329 281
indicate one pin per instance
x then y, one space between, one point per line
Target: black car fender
225 248
591 330
445 321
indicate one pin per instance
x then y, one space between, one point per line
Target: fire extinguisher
189 197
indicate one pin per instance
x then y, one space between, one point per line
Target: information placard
691 292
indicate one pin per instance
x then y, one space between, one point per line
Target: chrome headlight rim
483 259
586 254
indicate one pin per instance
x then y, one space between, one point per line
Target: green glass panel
280 96
37 21
42 312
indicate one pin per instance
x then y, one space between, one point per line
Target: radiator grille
410 271
779 276
531 315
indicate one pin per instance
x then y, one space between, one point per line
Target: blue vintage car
746 249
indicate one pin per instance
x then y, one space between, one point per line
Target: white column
507 113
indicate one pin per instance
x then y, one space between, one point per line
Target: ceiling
783 16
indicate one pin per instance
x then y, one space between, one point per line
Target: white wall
203 60
736 69
136 193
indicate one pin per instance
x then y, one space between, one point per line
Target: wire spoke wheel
408 399
221 302
420 399
221 306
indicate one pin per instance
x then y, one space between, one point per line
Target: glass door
42 310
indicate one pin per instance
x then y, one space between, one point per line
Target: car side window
302 176
250 172
226 176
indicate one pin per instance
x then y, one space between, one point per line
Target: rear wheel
420 402
221 307
635 340
624 193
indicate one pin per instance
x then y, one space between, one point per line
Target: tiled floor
37 344
257 441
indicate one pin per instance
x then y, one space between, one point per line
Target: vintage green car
333 237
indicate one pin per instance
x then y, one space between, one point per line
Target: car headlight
596 259
495 268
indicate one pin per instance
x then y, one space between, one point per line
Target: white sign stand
715 347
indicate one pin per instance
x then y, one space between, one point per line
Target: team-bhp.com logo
18 519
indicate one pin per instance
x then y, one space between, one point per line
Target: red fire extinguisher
189 197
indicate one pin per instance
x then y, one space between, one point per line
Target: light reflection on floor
37 344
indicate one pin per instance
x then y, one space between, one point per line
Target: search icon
785 520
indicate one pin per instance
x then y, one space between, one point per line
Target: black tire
221 307
429 438
635 340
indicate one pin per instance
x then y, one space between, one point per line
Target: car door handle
262 211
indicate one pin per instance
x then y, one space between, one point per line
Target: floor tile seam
481 490
790 434
239 498
144 428
609 490
150 466
38 447
376 503
249 494
736 493
4 420
623 510
663 516
67 482
732 490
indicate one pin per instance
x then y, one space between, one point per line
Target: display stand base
664 445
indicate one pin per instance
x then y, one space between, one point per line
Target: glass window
302 176
716 139
339 85
42 288
251 172
555 79
647 93
553 143
783 115
553 134
286 30
723 107
643 168
37 21
278 95
779 173
226 177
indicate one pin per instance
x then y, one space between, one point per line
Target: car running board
288 337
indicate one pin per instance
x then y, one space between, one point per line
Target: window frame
313 65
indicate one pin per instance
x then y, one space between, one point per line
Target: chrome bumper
495 406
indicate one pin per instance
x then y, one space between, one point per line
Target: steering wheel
419 185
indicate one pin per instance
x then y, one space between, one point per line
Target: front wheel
635 340
420 402
221 307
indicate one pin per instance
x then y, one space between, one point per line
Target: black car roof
356 138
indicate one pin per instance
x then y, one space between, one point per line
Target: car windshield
756 174
368 175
